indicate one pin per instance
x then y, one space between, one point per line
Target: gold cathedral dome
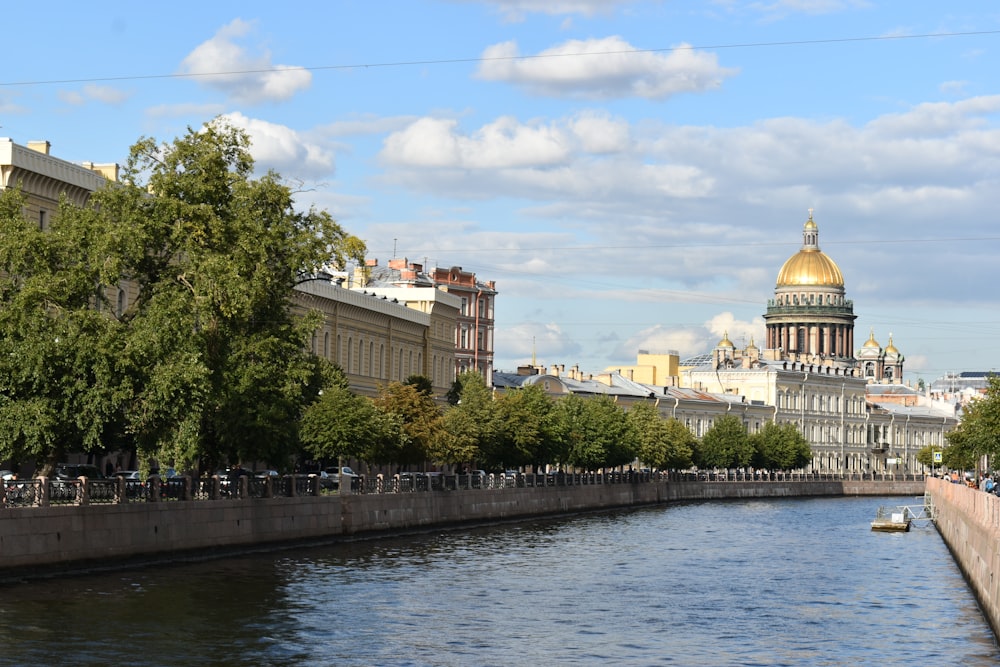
810 266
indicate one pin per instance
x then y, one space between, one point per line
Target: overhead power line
451 61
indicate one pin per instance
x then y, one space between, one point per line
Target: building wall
969 522
377 340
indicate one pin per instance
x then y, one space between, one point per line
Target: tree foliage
421 421
206 361
666 444
530 431
343 424
925 456
596 431
725 445
470 424
978 434
780 447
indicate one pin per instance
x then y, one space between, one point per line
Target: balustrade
43 492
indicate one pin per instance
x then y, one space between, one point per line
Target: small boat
892 519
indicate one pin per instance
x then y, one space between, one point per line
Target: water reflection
775 582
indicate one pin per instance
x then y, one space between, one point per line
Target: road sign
937 457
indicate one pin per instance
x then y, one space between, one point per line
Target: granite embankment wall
969 522
70 537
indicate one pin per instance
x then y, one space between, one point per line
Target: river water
757 582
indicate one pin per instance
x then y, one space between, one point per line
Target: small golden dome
725 342
871 342
890 348
810 266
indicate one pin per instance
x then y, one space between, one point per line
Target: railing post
43 492
84 490
154 489
186 493
120 496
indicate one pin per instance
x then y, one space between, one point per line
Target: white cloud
740 333
7 104
604 69
694 207
226 65
546 343
365 124
516 10
686 341
72 97
92 92
106 94
283 149
782 8
502 144
689 341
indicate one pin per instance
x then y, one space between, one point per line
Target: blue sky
631 173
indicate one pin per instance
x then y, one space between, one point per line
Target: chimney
108 171
40 146
371 262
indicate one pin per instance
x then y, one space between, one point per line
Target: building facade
474 327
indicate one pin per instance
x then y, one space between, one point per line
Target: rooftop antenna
394 248
533 362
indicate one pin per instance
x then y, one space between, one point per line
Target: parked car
334 474
66 471
326 480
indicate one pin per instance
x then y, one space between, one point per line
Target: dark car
66 471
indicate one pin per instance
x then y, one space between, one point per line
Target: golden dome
871 342
725 342
890 348
810 266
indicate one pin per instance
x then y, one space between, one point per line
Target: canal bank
969 522
35 539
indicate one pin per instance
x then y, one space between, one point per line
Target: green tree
470 424
662 443
725 445
960 453
780 447
597 432
207 361
343 424
530 432
421 421
926 456
978 434
60 386
422 383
